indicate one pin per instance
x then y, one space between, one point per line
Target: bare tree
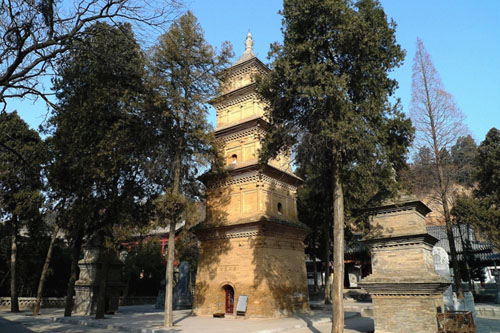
439 123
35 33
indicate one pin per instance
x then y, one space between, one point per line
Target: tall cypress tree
21 157
330 84
183 77
99 140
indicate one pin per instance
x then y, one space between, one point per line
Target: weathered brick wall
270 270
406 314
409 260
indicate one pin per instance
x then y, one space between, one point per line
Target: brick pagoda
251 240
407 292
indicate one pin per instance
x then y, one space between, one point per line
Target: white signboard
242 304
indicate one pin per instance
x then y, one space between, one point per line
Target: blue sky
462 37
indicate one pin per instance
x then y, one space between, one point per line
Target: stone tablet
441 261
182 297
442 267
241 308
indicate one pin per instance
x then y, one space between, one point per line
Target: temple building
251 240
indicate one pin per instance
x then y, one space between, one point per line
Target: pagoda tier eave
249 123
253 226
249 62
268 170
246 89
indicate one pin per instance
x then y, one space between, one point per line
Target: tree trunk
442 184
14 304
169 274
45 269
465 247
169 318
103 284
338 254
315 266
326 259
75 256
457 279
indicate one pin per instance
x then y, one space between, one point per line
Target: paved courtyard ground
146 319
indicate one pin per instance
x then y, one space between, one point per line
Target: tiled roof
355 247
483 257
483 251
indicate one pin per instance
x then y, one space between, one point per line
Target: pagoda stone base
406 314
267 267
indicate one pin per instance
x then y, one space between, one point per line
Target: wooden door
229 299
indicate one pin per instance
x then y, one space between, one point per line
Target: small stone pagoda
87 285
251 241
407 292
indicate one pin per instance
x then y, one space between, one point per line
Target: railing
29 302
59 302
137 300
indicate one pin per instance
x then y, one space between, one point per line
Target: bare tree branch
35 33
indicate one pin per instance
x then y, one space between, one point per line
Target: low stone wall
486 293
59 302
29 302
137 300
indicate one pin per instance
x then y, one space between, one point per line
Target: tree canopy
463 154
22 154
482 210
21 158
330 90
98 145
183 76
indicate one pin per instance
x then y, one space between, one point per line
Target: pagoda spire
248 53
249 42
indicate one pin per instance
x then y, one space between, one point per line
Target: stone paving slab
146 319
490 311
183 321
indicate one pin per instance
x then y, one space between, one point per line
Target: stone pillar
496 273
87 285
407 292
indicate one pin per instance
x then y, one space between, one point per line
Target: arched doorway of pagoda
229 298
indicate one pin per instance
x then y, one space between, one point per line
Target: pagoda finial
248 53
249 42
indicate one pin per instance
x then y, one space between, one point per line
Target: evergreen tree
314 209
183 68
99 144
421 173
487 193
329 83
488 165
463 154
21 157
